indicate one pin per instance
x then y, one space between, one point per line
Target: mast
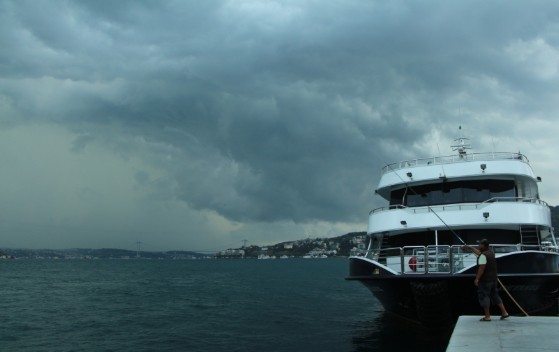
461 144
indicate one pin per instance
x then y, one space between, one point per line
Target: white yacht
415 265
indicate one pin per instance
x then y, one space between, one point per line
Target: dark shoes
503 317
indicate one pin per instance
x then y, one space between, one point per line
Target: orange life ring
413 263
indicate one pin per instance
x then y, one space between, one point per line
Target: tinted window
454 192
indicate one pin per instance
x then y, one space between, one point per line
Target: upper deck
463 166
451 159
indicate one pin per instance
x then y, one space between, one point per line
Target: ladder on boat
529 235
385 242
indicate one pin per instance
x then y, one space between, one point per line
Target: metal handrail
460 206
442 259
450 159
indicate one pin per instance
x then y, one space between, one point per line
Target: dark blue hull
436 300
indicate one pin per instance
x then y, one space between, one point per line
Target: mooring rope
511 297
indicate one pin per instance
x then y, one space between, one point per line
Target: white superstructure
467 190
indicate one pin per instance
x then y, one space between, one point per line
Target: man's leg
483 291
495 298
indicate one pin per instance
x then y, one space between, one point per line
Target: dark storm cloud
265 111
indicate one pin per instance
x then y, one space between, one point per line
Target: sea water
195 305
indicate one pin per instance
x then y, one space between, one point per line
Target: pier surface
513 334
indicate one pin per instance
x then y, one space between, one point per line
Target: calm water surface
195 305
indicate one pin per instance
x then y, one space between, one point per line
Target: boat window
397 197
546 236
502 189
416 200
527 189
452 194
475 191
436 196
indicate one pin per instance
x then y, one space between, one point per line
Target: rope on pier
511 297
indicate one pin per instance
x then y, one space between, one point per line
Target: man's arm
473 249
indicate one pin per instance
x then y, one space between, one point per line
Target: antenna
462 144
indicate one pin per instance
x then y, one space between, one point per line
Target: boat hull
437 300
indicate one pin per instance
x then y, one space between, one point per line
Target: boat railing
459 206
441 259
450 159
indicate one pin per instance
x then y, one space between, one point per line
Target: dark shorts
488 293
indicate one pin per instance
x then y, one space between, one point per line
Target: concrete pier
514 334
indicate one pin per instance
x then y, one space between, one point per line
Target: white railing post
426 259
451 259
402 265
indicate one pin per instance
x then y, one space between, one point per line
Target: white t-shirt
482 259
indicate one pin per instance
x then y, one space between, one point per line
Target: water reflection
387 332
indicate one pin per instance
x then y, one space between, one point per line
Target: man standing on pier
486 280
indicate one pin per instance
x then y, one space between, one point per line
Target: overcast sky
196 124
